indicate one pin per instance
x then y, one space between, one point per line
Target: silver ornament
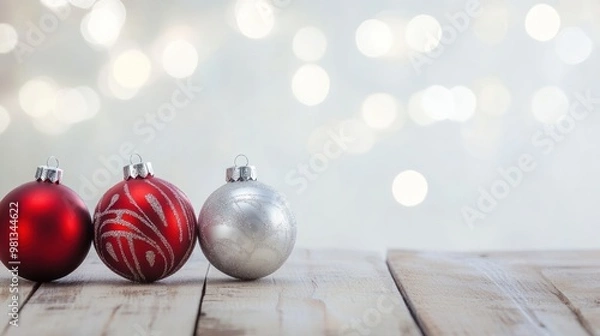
246 228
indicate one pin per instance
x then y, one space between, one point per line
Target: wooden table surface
327 293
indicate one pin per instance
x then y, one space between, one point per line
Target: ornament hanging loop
49 173
241 156
139 169
240 173
134 155
56 161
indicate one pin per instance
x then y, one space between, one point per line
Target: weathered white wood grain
583 258
314 293
579 289
24 288
94 301
329 293
478 294
10 289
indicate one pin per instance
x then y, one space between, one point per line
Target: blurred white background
386 123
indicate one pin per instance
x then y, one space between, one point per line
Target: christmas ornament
246 228
144 227
45 228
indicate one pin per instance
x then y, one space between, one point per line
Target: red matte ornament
45 228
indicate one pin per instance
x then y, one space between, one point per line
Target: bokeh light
74 105
8 38
423 33
180 59
53 4
310 84
410 188
309 44
50 125
100 26
110 88
549 104
114 6
118 91
4 119
379 110
131 69
542 22
37 97
493 98
70 105
92 100
573 46
438 102
465 103
254 18
374 38
85 4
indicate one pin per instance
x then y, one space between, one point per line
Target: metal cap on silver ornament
137 170
240 173
49 173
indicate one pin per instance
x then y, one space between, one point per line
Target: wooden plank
584 258
579 289
477 294
95 301
10 287
24 289
314 293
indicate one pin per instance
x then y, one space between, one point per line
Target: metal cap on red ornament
49 173
37 215
144 227
137 170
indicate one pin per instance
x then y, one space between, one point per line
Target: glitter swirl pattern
144 229
247 229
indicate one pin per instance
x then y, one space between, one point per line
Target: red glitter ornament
144 227
45 228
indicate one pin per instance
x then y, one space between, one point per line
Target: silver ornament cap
139 169
48 173
240 173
